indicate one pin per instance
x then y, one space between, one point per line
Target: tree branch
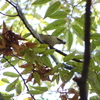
83 80
22 17
20 75
8 15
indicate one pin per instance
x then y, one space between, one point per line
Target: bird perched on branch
51 40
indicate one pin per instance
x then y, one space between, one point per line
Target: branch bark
82 82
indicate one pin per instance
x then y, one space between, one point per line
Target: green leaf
29 56
10 74
37 77
41 88
64 75
27 70
58 31
4 6
78 31
94 81
52 8
80 21
35 92
69 38
7 96
4 60
97 42
46 61
56 68
11 86
26 35
58 15
55 24
39 50
95 98
37 2
95 36
55 77
5 80
43 46
18 88
48 52
69 57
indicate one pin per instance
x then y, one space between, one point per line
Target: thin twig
64 54
19 74
8 15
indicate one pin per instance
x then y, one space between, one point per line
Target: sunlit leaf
5 80
10 74
4 60
41 88
55 24
11 86
95 98
48 52
4 6
78 31
7 96
18 88
94 81
46 61
37 2
58 15
35 92
52 8
95 36
69 38
27 70
58 31
56 68
1 83
37 77
39 50
26 35
69 57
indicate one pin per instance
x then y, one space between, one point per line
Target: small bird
51 40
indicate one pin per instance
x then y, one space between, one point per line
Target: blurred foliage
27 62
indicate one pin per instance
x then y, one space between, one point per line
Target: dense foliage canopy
30 66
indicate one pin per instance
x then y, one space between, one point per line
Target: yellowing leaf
1 83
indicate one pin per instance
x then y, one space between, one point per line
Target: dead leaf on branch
65 95
9 41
